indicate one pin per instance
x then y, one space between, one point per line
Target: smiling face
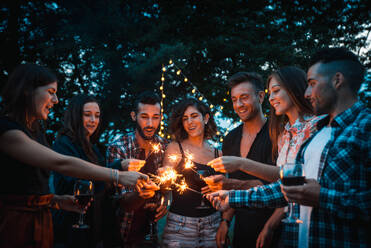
147 119
246 102
194 122
278 97
44 98
91 117
320 91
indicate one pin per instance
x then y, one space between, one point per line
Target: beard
326 103
141 133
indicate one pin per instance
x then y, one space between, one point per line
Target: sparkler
182 186
190 165
170 177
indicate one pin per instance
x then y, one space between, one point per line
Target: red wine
83 199
293 180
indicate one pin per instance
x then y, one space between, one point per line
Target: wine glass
202 174
83 192
292 174
159 199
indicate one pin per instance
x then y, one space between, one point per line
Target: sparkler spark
169 177
173 157
156 148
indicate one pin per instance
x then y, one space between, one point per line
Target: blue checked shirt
126 147
343 217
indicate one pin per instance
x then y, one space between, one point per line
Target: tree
115 49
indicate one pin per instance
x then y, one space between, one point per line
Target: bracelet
113 180
227 221
117 178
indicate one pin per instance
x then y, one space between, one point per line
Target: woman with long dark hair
77 138
191 126
291 123
25 219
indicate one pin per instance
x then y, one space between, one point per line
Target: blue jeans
183 231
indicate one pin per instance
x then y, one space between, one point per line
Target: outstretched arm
18 145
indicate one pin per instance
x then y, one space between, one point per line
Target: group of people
315 119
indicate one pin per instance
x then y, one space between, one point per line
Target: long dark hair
176 119
293 80
73 125
18 97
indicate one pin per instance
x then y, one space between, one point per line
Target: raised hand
219 200
132 164
148 190
307 194
132 178
69 203
214 183
225 164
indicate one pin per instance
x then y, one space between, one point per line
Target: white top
312 158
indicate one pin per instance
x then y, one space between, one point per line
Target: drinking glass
83 192
292 174
202 174
161 198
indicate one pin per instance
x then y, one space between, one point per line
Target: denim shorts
183 231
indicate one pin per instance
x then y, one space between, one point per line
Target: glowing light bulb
185 79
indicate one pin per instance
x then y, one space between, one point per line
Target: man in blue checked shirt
335 201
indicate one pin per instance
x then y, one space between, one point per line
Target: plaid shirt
343 217
126 147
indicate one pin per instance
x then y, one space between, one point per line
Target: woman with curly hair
189 222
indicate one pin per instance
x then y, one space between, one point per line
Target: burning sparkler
169 177
189 164
156 148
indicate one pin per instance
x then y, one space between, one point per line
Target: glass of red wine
83 192
292 174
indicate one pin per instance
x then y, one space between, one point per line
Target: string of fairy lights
196 94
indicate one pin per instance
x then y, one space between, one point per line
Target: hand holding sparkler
132 164
214 183
148 190
168 176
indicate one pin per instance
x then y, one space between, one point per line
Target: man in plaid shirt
335 201
136 152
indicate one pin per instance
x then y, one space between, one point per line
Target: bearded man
135 151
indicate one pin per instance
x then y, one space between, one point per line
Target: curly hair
176 127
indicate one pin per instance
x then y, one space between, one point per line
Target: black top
17 178
249 222
186 204
63 220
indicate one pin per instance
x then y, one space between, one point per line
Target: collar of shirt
343 119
